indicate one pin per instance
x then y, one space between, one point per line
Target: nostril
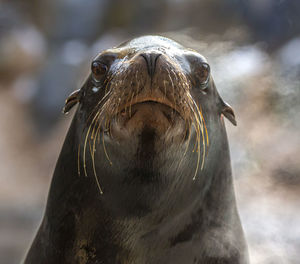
151 59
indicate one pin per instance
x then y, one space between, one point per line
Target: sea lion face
148 83
144 105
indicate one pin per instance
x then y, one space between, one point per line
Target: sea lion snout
151 59
146 87
162 119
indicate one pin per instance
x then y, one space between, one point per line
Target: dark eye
98 69
202 73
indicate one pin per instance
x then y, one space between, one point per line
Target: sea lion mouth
151 101
160 100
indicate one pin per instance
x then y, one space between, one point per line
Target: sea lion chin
144 175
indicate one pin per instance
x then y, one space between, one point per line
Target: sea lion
144 175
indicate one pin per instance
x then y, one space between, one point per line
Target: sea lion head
149 111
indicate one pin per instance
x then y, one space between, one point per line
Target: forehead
149 42
152 41
155 44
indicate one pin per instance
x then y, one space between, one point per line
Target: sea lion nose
151 59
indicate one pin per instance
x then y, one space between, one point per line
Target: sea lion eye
98 70
202 73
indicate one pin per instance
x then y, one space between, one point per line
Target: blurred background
253 47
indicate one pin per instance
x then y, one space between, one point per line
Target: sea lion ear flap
72 100
228 112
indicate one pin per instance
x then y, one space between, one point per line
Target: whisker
207 139
94 167
200 132
84 151
172 83
104 148
85 143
